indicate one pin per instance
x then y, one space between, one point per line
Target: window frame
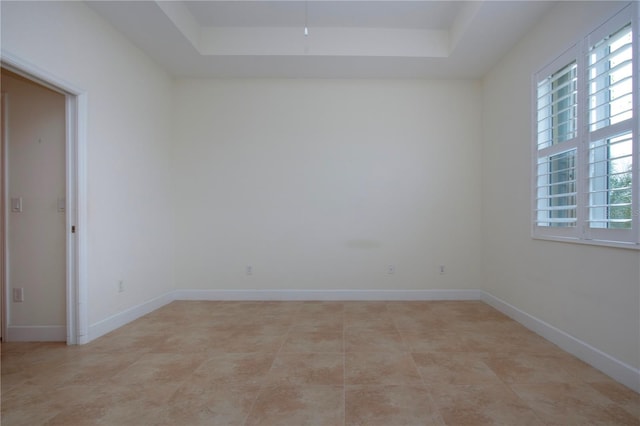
582 232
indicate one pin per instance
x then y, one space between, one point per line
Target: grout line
524 402
264 383
422 378
344 370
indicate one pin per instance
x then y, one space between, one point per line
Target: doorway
71 205
34 148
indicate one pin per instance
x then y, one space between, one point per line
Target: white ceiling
347 39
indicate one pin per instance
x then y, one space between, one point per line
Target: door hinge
73 229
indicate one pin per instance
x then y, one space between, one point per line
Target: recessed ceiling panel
369 14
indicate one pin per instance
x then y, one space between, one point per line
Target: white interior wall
130 222
592 293
321 184
36 175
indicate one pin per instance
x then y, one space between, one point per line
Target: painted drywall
36 175
128 145
592 293
321 184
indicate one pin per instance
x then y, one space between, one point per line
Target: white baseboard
327 295
36 333
614 368
121 318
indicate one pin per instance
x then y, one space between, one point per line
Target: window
586 155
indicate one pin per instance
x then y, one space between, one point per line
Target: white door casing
76 212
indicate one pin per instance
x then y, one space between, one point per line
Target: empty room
320 213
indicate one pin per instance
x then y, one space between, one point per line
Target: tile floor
315 363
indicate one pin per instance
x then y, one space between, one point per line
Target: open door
35 184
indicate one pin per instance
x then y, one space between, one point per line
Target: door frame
76 106
4 97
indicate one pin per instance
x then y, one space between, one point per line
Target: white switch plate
18 294
16 204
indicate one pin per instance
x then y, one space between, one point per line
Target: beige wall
36 173
320 184
591 293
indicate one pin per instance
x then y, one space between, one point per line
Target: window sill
601 243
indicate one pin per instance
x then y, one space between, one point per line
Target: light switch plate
16 204
18 294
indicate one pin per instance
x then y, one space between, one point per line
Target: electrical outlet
248 270
441 269
391 269
121 286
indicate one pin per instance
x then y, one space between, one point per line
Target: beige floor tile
365 314
159 368
20 347
307 369
197 404
411 325
373 340
224 319
137 341
43 356
468 311
233 368
27 405
381 368
298 405
141 407
35 366
412 308
147 325
272 308
324 308
525 368
114 405
373 405
304 340
246 343
382 323
319 322
295 363
89 369
573 404
273 328
579 369
523 342
482 405
188 342
454 368
168 317
365 308
621 395
438 341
